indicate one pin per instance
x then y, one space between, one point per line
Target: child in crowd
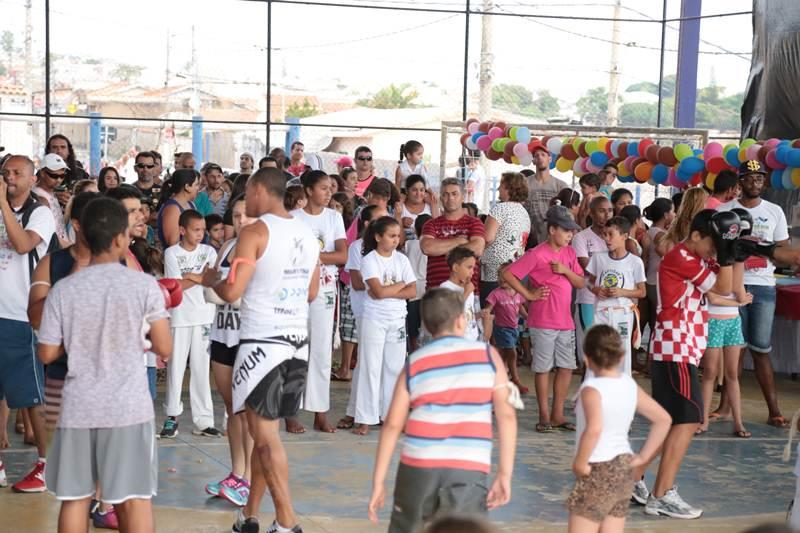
344 205
604 460
617 280
638 240
569 199
419 262
295 197
354 310
191 325
472 209
507 305
389 281
461 261
215 227
619 199
590 186
118 453
148 213
553 269
410 162
447 446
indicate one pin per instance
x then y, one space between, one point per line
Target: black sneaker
207 432
244 525
170 429
273 528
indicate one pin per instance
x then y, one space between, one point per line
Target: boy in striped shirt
443 401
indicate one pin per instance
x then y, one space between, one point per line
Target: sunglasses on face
364 158
53 175
142 165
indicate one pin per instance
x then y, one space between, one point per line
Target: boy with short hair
552 268
617 279
215 227
461 261
446 455
191 327
105 376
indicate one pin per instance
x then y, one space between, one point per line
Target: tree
546 104
126 73
593 106
668 86
306 109
519 99
7 43
391 97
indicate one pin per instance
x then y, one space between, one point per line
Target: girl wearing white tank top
410 162
604 461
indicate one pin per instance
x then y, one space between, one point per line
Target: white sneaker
640 492
671 504
3 478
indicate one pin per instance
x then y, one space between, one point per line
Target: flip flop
700 431
335 377
566 426
345 423
544 428
716 417
778 422
742 434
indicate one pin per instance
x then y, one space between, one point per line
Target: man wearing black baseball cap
769 226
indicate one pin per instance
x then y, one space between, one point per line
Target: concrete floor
739 483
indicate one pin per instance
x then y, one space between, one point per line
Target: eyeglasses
753 178
142 165
364 158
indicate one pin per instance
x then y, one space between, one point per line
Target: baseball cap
537 145
558 215
751 166
54 162
344 161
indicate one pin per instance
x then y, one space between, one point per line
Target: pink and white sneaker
215 488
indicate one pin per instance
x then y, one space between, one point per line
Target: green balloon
591 147
512 133
496 146
728 148
682 151
747 142
577 142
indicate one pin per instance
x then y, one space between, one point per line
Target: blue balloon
633 149
691 165
599 158
697 151
732 158
793 159
782 153
477 135
660 174
776 179
683 175
786 179
784 142
523 134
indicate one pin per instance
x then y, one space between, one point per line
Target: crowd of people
257 277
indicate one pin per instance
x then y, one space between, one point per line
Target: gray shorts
122 460
420 494
552 347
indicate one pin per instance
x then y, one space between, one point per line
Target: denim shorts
757 318
505 337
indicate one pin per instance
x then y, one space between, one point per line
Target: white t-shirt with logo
15 274
194 310
472 332
327 227
587 243
769 225
354 260
387 270
612 273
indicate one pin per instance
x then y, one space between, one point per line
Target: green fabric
203 204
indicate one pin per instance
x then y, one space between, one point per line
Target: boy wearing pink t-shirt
553 270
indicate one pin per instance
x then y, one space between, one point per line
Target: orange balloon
643 171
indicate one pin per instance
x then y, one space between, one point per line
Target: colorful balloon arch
641 161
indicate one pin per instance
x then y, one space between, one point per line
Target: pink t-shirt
363 185
553 311
713 203
505 307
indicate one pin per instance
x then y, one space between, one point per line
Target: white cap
54 162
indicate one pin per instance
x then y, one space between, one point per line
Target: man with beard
542 187
146 169
61 146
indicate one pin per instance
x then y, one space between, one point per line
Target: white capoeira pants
351 402
621 319
317 397
381 356
190 342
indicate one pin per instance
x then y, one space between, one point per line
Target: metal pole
94 143
688 47
47 68
661 63
197 140
613 74
269 72
466 63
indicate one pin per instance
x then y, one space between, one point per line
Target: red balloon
544 139
651 153
568 152
644 144
464 139
623 150
492 155
509 149
582 150
608 151
484 127
666 156
696 179
716 165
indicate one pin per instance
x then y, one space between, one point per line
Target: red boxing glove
173 294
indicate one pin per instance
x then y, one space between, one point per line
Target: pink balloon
495 133
772 142
585 165
752 151
591 167
520 149
629 163
772 161
473 128
483 143
673 180
712 150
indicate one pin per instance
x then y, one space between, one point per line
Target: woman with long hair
694 201
108 179
419 200
177 195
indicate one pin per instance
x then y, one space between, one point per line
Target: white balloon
554 145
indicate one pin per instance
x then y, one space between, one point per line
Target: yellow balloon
563 165
602 142
515 160
742 155
796 177
621 170
710 179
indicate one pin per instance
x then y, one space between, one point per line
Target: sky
354 52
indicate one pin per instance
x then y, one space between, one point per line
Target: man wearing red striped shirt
452 229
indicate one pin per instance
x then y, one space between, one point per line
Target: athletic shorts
676 388
122 460
222 354
606 491
505 338
279 394
414 318
420 494
724 332
553 348
21 372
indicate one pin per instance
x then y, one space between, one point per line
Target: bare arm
338 256
22 240
161 338
436 247
250 246
583 262
40 287
531 295
395 290
49 353
477 245
169 225
357 281
722 301
492 226
724 281
593 411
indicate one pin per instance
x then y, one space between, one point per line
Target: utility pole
166 71
195 104
28 54
485 84
613 76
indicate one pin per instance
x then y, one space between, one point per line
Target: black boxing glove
725 227
744 248
746 219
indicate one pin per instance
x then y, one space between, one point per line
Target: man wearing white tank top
276 274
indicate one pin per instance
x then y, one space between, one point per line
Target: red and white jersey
681 330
